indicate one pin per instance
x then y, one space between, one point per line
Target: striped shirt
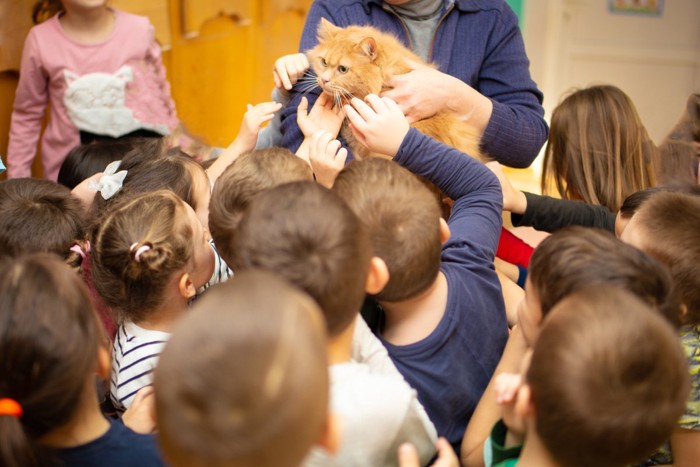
222 272
134 357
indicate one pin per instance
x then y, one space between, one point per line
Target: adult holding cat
483 78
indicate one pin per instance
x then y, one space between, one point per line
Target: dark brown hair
577 257
598 150
256 390
86 160
157 220
609 379
305 233
49 336
45 9
40 216
247 176
402 217
670 223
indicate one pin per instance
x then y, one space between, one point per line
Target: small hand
327 157
288 69
141 415
408 456
378 123
253 120
324 116
514 200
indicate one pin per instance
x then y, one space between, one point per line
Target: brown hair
136 286
45 9
40 216
247 176
256 390
670 223
49 336
577 257
598 150
609 379
402 217
306 234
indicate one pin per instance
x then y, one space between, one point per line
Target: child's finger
358 123
281 72
408 456
333 147
364 110
376 102
341 156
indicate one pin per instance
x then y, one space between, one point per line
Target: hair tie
111 181
10 407
78 249
140 251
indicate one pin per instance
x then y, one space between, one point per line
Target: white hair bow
111 181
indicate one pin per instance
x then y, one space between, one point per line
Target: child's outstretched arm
245 141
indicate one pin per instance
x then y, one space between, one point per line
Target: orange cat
359 60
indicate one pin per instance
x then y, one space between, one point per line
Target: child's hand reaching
324 116
141 414
507 386
408 456
514 200
253 120
288 69
326 157
378 123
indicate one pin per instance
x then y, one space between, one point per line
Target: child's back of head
255 393
86 160
308 235
402 218
39 216
247 176
49 339
578 257
667 227
608 379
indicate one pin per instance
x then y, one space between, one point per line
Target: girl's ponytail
16 449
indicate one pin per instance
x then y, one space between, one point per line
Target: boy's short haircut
670 223
577 257
609 379
247 176
306 234
634 201
39 216
402 217
244 379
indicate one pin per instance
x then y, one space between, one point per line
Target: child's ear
329 439
185 286
444 231
377 277
104 362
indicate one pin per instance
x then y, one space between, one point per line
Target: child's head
247 176
40 216
403 220
146 247
667 226
86 160
578 257
49 341
256 390
598 150
608 379
306 234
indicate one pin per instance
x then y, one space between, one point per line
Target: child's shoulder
133 20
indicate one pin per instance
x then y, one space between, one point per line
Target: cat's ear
70 77
368 46
326 29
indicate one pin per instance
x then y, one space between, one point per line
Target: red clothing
513 249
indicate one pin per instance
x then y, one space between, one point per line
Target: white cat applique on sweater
96 103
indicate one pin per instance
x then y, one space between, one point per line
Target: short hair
402 217
309 236
86 160
132 284
635 200
577 257
670 223
609 379
49 337
39 216
247 176
598 149
256 390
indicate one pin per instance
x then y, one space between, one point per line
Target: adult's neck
86 425
417 9
339 347
412 320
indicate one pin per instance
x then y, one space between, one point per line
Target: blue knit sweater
477 41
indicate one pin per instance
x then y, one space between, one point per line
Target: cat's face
345 62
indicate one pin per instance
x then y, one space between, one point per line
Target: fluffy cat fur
359 60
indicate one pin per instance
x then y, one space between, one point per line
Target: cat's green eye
342 69
323 62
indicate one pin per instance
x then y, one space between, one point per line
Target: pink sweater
111 88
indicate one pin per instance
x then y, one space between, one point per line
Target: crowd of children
271 308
